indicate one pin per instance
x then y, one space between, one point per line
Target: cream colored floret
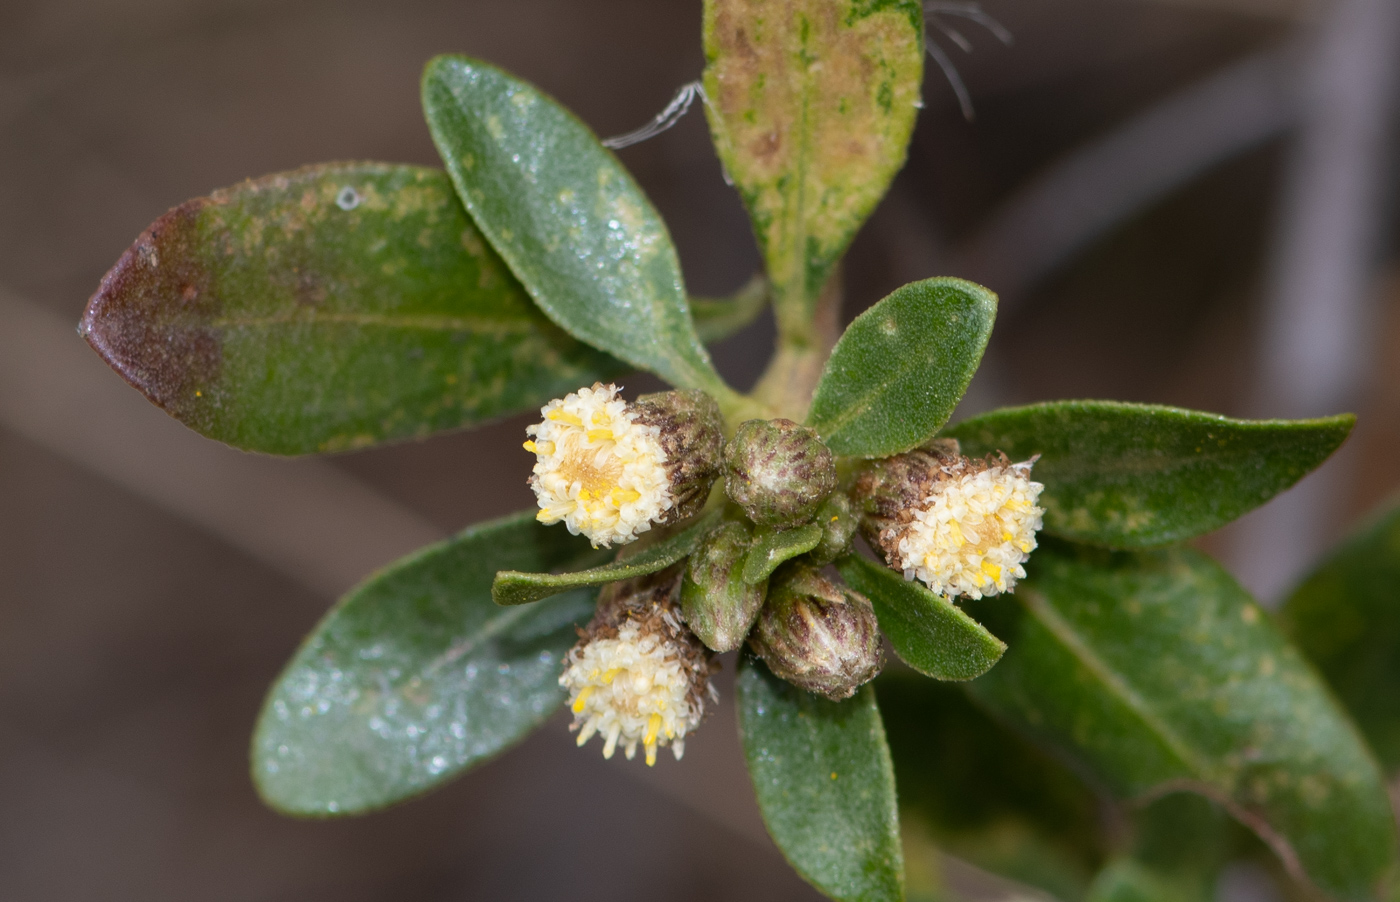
971 536
596 469
632 689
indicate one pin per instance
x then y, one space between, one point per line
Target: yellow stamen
991 569
582 699
532 447
653 727
651 754
563 416
622 496
611 675
600 435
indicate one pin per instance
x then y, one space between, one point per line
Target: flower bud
778 472
961 525
611 470
717 604
637 675
817 634
838 520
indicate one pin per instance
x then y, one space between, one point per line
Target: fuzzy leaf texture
416 675
1346 618
973 788
928 632
825 784
1156 671
811 105
772 547
333 307
570 221
1137 475
512 587
895 376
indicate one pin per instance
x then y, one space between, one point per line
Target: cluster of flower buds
611 470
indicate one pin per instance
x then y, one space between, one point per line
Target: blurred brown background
1180 201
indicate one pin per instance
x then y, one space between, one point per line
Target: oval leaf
772 547
1136 475
811 104
902 366
333 307
985 794
928 632
825 784
416 675
568 218
1155 671
511 587
1346 618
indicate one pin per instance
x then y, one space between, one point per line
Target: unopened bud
817 634
963 526
717 604
838 520
778 472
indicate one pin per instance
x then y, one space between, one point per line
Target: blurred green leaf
1136 475
573 225
333 307
718 318
416 675
811 105
985 794
902 366
1346 618
511 587
825 785
772 547
928 632
1154 670
1180 844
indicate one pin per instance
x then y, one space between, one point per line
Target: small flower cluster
610 470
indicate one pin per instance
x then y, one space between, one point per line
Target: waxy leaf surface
416 675
928 632
771 547
333 307
567 217
811 104
895 376
1155 671
511 587
1346 618
1137 475
981 792
825 784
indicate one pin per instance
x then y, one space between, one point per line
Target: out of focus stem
806 334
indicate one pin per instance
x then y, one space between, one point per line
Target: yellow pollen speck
531 447
833 775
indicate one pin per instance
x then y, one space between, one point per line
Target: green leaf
825 784
1181 842
928 632
718 318
1346 618
333 307
512 587
811 105
573 225
902 366
1136 475
772 547
1154 671
984 793
415 675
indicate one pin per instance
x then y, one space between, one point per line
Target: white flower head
973 531
637 677
598 469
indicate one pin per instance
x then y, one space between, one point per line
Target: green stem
804 343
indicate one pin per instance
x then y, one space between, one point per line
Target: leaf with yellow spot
811 105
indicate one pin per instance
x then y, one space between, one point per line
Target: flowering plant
1030 556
